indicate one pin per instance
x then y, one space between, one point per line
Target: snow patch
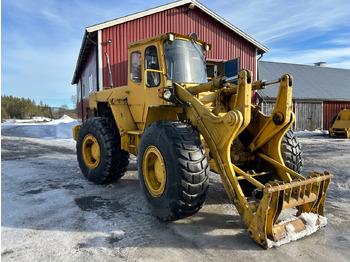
40 128
290 229
307 133
33 120
291 235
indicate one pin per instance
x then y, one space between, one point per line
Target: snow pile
311 133
311 227
64 126
65 130
40 128
63 119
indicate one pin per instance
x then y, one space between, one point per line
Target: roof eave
82 49
85 45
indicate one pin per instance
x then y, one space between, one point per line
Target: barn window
151 62
135 67
83 90
91 86
78 95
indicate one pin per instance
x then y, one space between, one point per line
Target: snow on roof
309 82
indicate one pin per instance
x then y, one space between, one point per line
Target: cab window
135 66
151 62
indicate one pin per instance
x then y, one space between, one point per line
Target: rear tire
291 152
173 170
100 157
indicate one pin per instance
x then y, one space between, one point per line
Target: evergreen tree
21 108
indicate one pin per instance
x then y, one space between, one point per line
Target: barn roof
309 82
91 31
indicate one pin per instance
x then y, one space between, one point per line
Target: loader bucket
257 157
307 196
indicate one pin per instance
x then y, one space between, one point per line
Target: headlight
166 93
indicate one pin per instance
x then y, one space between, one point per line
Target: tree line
21 108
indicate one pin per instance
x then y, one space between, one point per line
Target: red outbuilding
183 17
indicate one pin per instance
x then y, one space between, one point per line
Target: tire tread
116 160
192 166
291 152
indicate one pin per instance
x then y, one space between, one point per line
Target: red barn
183 17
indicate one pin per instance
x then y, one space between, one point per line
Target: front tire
291 152
173 170
100 157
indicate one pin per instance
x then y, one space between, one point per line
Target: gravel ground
50 213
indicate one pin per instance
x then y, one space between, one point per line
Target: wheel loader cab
154 61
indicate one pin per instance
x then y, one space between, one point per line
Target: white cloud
53 17
302 32
341 39
338 57
269 21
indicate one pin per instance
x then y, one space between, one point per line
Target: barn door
309 116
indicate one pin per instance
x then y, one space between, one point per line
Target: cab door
135 95
153 77
145 78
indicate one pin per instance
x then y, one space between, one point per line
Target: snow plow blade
308 196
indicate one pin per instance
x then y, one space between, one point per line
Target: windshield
185 61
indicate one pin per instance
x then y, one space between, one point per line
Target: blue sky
41 39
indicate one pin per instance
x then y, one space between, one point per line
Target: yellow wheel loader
180 126
341 124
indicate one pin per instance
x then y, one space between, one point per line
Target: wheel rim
91 151
154 171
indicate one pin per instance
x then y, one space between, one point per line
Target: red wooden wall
226 44
330 109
